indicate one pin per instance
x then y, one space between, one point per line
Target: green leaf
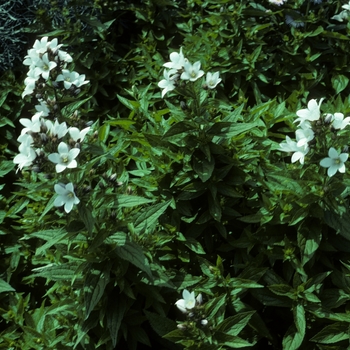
299 319
203 167
63 272
179 128
132 105
6 166
149 217
134 254
228 130
160 324
103 132
214 305
128 201
94 286
72 107
339 82
194 245
5 287
115 314
309 239
332 334
292 340
85 214
234 324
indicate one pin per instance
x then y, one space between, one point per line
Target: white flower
177 60
168 83
277 2
43 66
338 121
53 45
212 80
66 196
187 303
71 78
40 47
311 113
56 130
29 82
31 58
43 108
65 158
192 72
334 162
64 56
346 7
341 16
27 153
33 125
299 151
303 136
76 134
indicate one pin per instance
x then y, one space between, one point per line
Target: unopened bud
204 322
328 118
181 326
113 178
36 168
345 149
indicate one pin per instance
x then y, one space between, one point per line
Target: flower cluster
191 305
308 118
179 68
343 14
44 138
46 61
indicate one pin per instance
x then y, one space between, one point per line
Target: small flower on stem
192 72
212 79
66 196
177 60
311 113
168 84
334 162
65 158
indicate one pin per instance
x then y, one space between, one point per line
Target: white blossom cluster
343 15
179 68
305 134
187 306
44 137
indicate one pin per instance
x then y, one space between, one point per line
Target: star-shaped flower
66 196
177 60
65 158
334 162
212 80
311 113
192 72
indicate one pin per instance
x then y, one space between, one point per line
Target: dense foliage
188 226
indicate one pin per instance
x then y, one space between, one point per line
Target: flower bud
328 118
113 178
204 322
36 168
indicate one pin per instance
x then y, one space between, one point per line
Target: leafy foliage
189 191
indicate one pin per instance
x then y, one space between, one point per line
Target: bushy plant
205 158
